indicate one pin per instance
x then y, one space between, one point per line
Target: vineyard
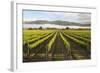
56 44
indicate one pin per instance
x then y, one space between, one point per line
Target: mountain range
57 22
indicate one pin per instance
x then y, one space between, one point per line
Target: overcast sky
83 18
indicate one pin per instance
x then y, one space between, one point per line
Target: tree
40 27
67 27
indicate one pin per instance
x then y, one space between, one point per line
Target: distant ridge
58 22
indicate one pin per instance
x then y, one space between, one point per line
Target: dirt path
59 51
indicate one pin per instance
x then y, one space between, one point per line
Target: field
56 44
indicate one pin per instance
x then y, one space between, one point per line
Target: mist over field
44 26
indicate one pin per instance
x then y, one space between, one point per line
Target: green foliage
40 41
66 43
79 37
51 42
33 35
86 33
76 40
